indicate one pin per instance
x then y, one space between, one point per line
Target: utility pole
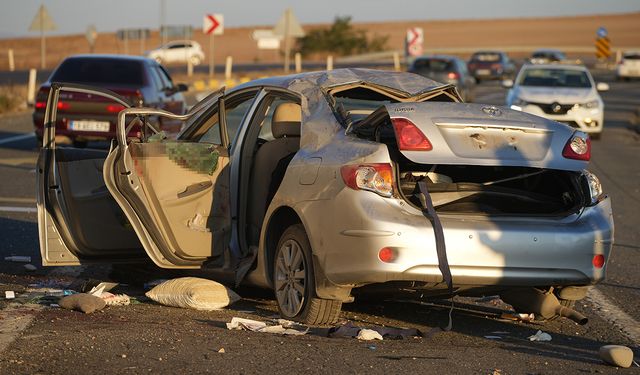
287 47
163 34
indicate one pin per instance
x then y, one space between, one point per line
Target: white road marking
16 138
614 315
18 209
15 318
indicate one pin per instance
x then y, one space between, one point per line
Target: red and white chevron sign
415 39
213 24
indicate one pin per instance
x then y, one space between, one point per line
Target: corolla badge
492 111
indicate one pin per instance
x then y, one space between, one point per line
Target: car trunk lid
476 134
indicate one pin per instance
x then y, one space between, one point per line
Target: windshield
104 71
486 57
555 78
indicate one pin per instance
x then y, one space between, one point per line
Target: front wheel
294 283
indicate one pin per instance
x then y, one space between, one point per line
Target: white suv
563 93
629 66
180 51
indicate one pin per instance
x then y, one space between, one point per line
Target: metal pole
211 67
12 65
163 5
286 40
227 67
298 62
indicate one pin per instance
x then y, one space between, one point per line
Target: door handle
195 188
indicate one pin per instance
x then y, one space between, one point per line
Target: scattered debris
490 337
350 330
193 293
283 327
115 299
372 347
617 355
221 350
30 267
369 334
540 336
18 259
98 289
82 302
9 294
518 316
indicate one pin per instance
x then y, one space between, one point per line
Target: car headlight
590 104
595 188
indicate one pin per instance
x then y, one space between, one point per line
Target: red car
84 117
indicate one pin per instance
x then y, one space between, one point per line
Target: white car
629 66
180 51
563 93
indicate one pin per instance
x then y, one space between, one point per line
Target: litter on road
617 355
18 259
368 334
284 327
9 294
193 293
82 302
540 336
350 330
30 267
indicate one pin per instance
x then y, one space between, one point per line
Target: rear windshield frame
102 71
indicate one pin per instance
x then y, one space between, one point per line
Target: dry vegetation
533 32
12 98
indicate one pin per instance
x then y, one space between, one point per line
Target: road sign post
91 36
42 22
414 41
288 27
213 24
602 44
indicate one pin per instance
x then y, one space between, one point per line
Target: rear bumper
482 251
63 127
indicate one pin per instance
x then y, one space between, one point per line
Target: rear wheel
294 282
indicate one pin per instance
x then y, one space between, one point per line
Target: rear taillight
495 66
377 178
115 108
61 105
578 147
409 137
598 261
453 75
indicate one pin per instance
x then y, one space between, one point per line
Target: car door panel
78 220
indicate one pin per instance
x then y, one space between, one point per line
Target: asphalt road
145 337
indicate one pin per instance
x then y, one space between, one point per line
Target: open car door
174 193
78 220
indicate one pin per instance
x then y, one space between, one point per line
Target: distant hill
580 31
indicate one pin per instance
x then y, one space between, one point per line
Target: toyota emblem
492 111
556 107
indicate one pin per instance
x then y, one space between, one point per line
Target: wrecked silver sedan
320 185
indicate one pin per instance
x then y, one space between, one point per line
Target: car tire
294 281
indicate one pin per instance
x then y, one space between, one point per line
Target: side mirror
181 87
507 83
602 86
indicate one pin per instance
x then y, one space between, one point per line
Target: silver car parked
320 185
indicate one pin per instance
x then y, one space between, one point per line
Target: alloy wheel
290 278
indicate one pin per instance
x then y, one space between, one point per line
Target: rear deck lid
480 134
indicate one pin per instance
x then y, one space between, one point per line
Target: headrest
286 120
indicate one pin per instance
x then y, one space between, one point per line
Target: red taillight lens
495 66
41 105
115 108
387 255
453 75
409 137
578 148
63 106
598 261
377 178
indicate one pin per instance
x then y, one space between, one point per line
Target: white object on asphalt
616 355
368 334
30 267
540 336
115 299
9 294
242 324
193 293
18 258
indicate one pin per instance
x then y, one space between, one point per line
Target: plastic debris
616 355
18 258
258 326
372 347
540 336
30 267
350 330
82 302
115 299
9 294
490 337
193 293
368 334
221 350
100 288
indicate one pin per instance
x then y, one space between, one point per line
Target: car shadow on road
26 143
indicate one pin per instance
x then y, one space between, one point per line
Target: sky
75 16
